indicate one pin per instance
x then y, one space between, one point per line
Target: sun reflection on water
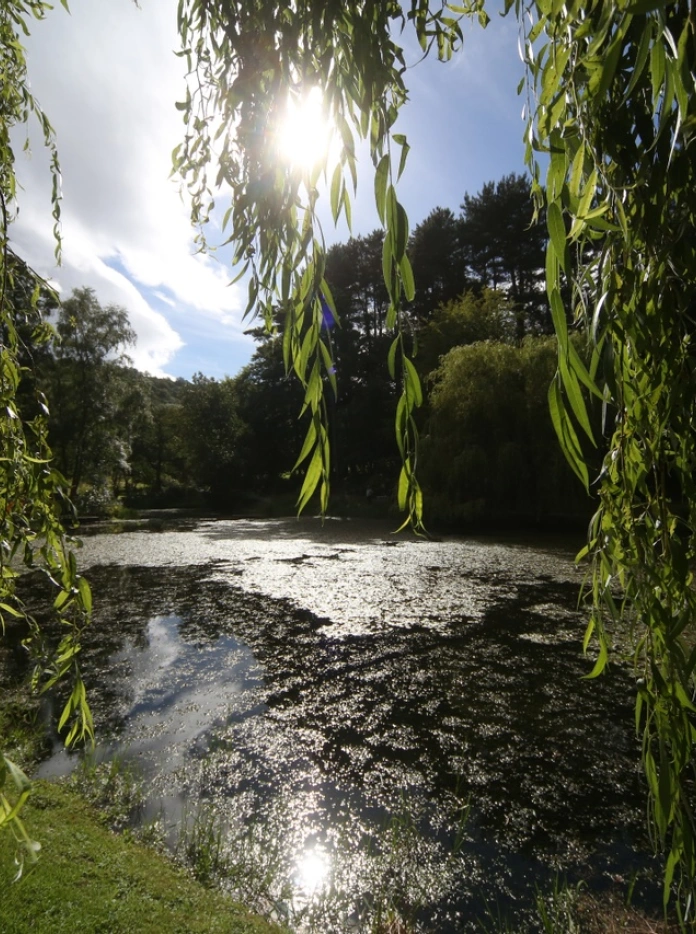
312 871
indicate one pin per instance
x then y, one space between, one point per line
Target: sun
304 135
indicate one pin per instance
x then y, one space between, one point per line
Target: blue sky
108 78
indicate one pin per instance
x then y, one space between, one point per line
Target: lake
366 722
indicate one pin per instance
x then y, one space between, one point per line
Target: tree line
479 329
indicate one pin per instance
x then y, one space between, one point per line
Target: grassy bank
91 880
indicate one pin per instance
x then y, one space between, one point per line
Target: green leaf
566 434
391 357
381 179
85 594
336 185
577 403
610 60
397 224
576 172
407 278
311 479
588 194
641 59
665 790
22 783
328 295
557 232
601 662
329 366
588 634
673 860
580 370
402 494
560 325
309 442
401 415
387 261
405 149
412 381
347 210
657 70
63 598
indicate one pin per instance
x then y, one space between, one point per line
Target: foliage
489 448
92 402
614 100
439 267
268 405
487 317
31 491
611 102
212 433
113 787
157 463
504 248
242 75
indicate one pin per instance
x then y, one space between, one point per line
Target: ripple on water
337 701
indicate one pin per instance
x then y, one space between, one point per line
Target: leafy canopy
247 59
31 491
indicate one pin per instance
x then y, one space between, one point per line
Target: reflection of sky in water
181 689
420 664
176 694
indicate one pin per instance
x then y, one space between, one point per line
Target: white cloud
108 78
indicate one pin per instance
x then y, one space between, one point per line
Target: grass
22 735
608 915
571 909
90 880
112 787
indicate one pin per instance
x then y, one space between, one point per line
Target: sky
108 78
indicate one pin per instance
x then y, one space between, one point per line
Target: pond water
324 701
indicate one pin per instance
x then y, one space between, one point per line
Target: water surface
336 696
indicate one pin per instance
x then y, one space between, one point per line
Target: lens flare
304 135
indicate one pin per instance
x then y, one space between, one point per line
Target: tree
213 431
354 273
88 384
612 99
438 263
362 406
503 246
486 317
268 405
31 501
157 455
489 449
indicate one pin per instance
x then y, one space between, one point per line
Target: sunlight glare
304 135
312 870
